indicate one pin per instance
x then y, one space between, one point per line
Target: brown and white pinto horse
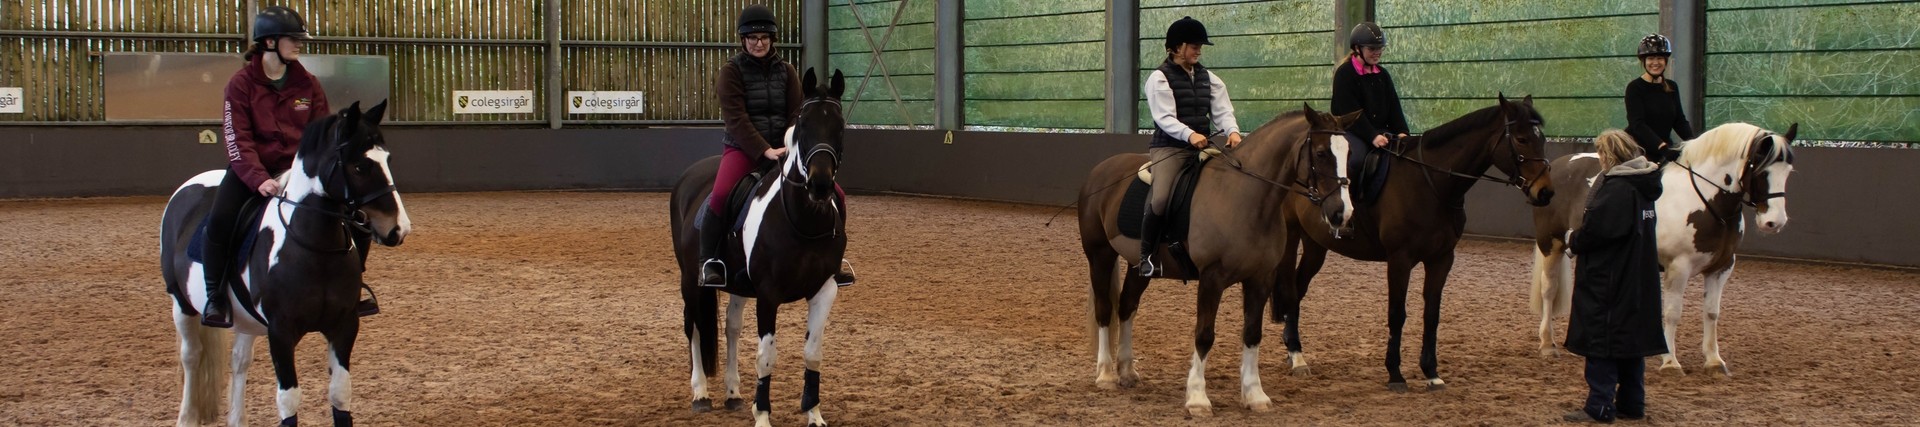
1418 220
1234 222
1700 224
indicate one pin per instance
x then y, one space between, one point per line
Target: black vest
765 85
1192 103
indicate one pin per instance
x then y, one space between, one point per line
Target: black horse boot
1149 240
713 271
214 258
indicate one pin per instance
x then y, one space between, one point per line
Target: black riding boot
1149 240
713 271
215 257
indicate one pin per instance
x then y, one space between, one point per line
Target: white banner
605 102
492 101
11 99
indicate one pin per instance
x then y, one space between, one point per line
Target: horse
1699 224
1233 219
789 248
1418 219
304 275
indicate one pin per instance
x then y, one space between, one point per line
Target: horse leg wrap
290 421
760 400
810 393
342 418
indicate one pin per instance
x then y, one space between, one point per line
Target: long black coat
1616 284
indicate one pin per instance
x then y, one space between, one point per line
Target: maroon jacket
263 125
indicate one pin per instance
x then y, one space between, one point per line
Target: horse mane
1471 122
1277 119
1725 143
310 138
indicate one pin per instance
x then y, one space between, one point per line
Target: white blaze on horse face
1338 143
1775 217
403 225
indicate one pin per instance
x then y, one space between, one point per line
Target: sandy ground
515 309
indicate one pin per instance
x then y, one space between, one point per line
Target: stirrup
716 265
845 276
369 306
1147 268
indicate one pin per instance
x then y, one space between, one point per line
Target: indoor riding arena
528 271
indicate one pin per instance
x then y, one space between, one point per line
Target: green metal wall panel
1840 69
1425 12
1273 55
1035 64
906 59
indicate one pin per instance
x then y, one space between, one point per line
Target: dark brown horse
1235 219
1418 219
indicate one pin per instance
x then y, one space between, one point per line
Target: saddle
736 201
247 232
1133 208
1367 166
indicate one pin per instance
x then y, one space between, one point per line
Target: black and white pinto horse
790 246
303 275
1700 224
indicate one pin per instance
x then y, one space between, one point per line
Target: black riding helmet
277 21
758 19
1655 44
1366 34
1186 30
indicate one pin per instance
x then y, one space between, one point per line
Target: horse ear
1528 100
1503 99
351 114
837 86
810 84
1347 119
377 113
1792 131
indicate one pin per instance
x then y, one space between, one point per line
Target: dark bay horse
303 275
1699 224
1235 219
790 246
1418 219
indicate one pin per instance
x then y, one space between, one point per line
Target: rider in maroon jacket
267 106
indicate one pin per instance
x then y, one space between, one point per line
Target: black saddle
1133 209
1367 166
246 230
736 206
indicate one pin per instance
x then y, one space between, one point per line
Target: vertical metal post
246 25
1346 14
813 37
1685 22
948 52
1123 66
555 102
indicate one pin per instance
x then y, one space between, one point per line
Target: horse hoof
1549 353
735 404
1301 371
1436 385
1129 381
1200 410
1260 406
1397 387
817 425
701 406
1721 369
1106 383
1673 370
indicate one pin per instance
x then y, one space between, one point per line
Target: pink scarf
1361 67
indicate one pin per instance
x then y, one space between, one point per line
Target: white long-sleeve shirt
1160 104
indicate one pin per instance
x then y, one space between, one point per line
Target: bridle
350 217
1762 157
1307 187
1512 144
805 179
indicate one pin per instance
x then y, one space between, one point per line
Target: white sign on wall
605 102
492 101
11 99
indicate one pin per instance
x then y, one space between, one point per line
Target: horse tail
204 354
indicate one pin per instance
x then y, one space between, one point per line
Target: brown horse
1235 218
1417 219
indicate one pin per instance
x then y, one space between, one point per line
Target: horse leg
1399 271
340 381
736 305
1672 298
1132 288
1254 305
1312 257
766 309
200 365
1208 305
1710 330
1548 285
1100 270
817 309
242 361
280 346
699 325
1438 268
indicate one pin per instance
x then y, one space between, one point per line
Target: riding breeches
1167 163
227 200
734 165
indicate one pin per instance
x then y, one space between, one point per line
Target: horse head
345 160
1521 150
1769 161
818 131
1324 154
